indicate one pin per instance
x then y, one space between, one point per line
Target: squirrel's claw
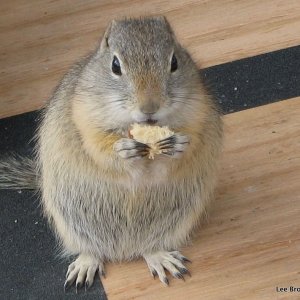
129 148
67 285
179 256
174 145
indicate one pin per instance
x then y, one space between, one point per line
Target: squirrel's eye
174 65
116 67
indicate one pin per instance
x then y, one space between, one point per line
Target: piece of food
150 135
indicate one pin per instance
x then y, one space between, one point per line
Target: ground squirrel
106 200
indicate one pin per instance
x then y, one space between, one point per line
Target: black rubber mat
257 80
29 265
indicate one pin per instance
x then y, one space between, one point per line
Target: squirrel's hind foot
170 261
83 270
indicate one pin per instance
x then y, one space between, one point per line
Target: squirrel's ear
165 21
105 39
162 19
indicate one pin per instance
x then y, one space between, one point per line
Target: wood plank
40 40
251 243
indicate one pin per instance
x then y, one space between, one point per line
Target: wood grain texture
251 244
39 40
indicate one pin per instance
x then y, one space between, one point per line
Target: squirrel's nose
150 107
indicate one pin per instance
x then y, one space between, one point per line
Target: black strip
28 268
255 81
17 133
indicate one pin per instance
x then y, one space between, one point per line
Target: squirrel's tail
17 172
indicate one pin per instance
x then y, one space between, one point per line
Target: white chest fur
149 172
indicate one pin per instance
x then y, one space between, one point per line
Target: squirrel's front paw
174 145
129 148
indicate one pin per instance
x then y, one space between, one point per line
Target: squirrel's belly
128 224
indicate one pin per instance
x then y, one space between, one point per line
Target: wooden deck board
251 244
40 40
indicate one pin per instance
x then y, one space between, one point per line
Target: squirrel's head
140 73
